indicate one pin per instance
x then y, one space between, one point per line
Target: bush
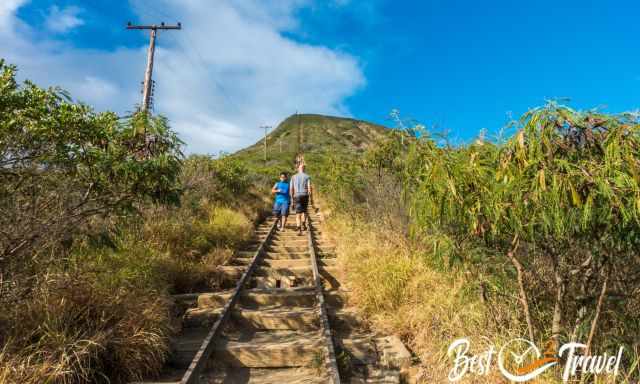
547 219
62 164
193 236
102 221
222 179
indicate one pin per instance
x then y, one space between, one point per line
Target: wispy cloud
62 20
230 70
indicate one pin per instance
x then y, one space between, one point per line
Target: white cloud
97 89
227 72
63 20
7 12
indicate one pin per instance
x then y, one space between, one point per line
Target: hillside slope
320 135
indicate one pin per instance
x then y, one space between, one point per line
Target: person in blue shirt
281 203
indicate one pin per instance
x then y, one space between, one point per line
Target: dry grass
398 290
195 244
192 234
105 314
74 329
399 293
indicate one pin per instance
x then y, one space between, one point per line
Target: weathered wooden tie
280 321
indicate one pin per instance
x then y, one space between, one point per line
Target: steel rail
331 362
192 376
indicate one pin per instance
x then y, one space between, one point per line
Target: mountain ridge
321 135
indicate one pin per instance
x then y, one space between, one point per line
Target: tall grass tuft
75 328
393 282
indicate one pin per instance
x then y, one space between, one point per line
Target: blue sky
467 65
450 64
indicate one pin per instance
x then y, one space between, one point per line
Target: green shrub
69 164
192 237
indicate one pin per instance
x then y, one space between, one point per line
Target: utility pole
148 73
266 128
300 133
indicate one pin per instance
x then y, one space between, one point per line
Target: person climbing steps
300 191
281 201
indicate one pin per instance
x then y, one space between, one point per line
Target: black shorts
301 203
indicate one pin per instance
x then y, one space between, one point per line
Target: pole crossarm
154 26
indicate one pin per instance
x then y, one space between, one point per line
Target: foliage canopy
62 163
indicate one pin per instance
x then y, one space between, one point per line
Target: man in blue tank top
281 203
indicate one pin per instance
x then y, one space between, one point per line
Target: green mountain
314 135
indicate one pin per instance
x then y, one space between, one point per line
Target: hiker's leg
305 215
299 213
285 215
296 209
276 212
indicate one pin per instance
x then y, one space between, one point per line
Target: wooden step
285 270
282 281
293 240
262 318
266 349
278 318
295 375
251 298
393 352
288 248
282 254
299 266
230 273
271 349
287 254
294 277
286 348
185 346
241 261
282 267
297 262
343 320
286 263
376 375
291 281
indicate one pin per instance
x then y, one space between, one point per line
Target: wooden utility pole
148 73
266 128
300 134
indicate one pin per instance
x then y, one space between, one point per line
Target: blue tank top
280 196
